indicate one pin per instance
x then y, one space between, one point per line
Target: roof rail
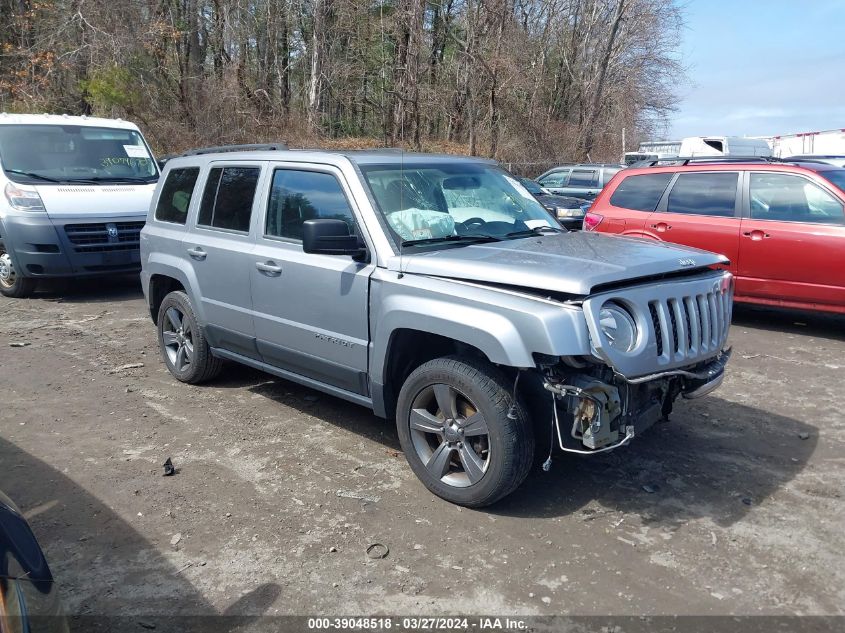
681 161
253 147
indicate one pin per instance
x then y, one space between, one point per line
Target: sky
761 67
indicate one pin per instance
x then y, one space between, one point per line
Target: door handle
197 253
661 226
756 234
269 267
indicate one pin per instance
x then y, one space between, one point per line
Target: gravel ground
732 507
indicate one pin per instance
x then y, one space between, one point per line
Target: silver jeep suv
434 290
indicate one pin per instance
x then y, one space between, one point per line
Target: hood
101 201
567 202
571 263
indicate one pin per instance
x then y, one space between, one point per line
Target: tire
437 450
182 341
13 284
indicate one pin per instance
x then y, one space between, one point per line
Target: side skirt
364 401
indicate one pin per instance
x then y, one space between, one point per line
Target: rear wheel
183 344
453 424
13 284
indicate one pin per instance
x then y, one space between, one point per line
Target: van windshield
73 153
449 201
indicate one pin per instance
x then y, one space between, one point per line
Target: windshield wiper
116 179
470 239
33 175
537 230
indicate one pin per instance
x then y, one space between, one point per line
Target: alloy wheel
450 435
178 340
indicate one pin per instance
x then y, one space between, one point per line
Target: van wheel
11 283
182 342
453 424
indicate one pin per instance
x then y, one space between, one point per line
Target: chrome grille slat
704 310
663 314
681 328
694 324
714 318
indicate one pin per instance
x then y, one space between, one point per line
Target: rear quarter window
640 193
227 200
176 193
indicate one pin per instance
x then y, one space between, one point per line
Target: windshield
836 176
73 153
447 201
532 186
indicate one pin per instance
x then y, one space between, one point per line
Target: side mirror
329 237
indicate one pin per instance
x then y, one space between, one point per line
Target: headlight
569 213
618 326
23 198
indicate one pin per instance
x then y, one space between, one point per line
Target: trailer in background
827 142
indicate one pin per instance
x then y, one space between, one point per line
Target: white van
76 191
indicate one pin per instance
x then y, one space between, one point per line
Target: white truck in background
691 146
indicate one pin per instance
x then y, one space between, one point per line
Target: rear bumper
42 247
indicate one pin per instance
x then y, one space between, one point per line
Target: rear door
631 202
701 209
311 311
792 243
219 247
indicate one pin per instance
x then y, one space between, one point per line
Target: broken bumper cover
697 382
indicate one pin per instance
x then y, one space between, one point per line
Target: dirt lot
744 513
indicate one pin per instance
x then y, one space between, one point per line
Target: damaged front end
597 410
650 344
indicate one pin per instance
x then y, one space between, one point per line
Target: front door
792 243
700 209
311 311
219 248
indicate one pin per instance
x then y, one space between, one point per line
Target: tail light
592 221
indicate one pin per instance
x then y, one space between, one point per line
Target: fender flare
171 266
489 332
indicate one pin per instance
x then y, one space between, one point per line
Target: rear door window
641 193
227 199
789 198
583 178
704 193
176 193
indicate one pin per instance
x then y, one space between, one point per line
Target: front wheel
13 284
183 344
453 424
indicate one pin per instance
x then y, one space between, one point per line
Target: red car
781 224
